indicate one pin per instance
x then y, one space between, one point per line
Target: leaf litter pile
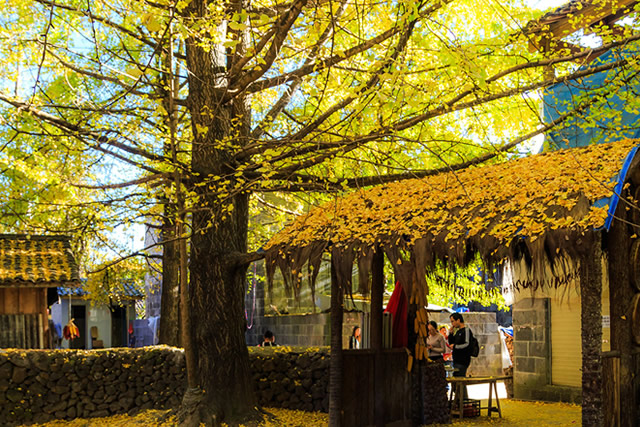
515 413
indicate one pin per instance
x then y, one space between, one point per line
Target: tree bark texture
591 296
621 293
377 295
219 230
169 306
335 363
169 320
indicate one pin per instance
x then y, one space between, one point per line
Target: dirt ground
514 412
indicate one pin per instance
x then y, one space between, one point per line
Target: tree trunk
620 295
377 295
223 388
591 295
169 330
335 363
169 307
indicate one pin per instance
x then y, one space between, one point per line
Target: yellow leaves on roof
524 196
24 259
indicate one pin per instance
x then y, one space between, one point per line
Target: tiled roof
42 261
121 290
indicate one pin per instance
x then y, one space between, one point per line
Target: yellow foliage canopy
477 210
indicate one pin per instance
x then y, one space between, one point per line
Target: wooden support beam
335 363
591 304
621 292
377 292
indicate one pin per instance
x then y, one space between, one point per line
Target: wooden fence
360 383
21 331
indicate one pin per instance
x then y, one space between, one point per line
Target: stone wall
42 385
485 329
532 369
293 378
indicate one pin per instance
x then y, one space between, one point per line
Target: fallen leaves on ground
523 413
515 413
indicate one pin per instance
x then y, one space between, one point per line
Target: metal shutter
566 344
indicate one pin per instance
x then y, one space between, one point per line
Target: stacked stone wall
42 385
292 378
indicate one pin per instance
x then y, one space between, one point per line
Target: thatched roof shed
540 212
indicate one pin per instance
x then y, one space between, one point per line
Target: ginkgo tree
181 110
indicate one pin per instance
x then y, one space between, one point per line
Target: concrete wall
302 330
532 367
153 277
485 329
292 329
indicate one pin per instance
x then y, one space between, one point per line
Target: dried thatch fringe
343 258
315 258
365 264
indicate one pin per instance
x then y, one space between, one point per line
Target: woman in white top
435 342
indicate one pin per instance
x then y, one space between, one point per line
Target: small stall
542 214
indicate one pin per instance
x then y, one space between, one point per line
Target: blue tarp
623 120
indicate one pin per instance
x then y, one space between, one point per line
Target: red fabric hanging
397 306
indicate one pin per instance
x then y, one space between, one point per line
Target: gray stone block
541 365
523 333
521 349
525 364
539 349
540 333
491 328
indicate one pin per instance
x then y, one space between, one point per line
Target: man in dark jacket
460 339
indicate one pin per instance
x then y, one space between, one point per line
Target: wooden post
611 388
591 304
620 294
335 363
377 291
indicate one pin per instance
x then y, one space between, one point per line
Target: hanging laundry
397 306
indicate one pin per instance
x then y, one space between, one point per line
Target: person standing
435 342
460 339
354 340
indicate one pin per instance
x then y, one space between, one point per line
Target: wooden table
457 387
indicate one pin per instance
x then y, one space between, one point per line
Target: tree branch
317 66
282 30
70 127
138 181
